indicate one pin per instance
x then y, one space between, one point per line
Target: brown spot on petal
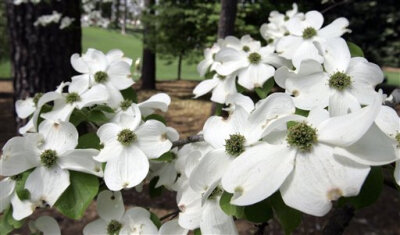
334 194
295 93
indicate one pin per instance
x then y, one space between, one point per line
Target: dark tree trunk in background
149 56
40 56
117 13
123 28
227 17
180 67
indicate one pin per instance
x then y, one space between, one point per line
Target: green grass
393 78
131 45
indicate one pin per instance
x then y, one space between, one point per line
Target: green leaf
370 191
355 50
166 157
129 94
8 223
302 112
97 117
263 91
78 116
240 88
155 219
78 196
218 109
153 191
104 108
89 140
156 117
197 231
22 193
259 212
288 217
228 208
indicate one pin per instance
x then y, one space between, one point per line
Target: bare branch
172 215
190 139
337 4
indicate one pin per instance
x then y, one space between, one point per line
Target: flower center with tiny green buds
72 98
246 48
254 58
126 137
113 227
339 81
309 32
398 139
301 136
125 104
286 18
234 146
37 97
48 158
100 77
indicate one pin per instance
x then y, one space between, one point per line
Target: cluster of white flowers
311 144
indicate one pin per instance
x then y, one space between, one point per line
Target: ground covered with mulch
188 116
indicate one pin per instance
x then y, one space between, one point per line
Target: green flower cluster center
113 227
125 104
126 137
309 32
301 136
254 58
48 158
72 98
234 146
100 77
37 97
246 48
339 81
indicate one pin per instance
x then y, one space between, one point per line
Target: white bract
115 220
111 70
221 87
128 144
51 154
345 84
8 194
307 40
304 161
45 225
252 63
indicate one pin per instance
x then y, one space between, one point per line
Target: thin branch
335 5
261 228
339 220
190 139
172 215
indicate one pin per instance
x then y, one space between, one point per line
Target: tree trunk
149 57
179 67
227 17
117 13
123 29
40 56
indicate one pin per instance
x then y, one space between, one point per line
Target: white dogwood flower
307 37
128 145
252 63
45 225
51 153
112 70
221 87
345 84
276 28
159 101
209 63
115 220
302 161
65 103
